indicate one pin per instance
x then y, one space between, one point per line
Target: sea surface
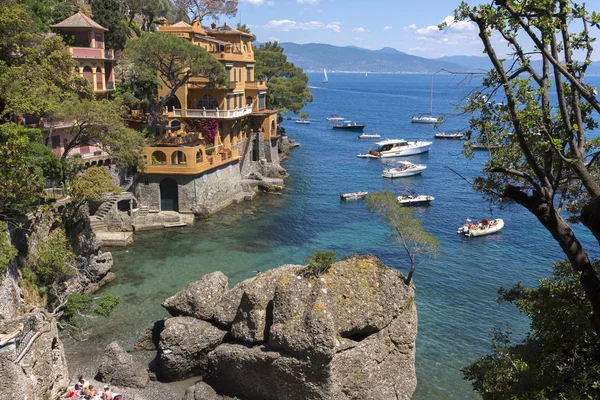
455 293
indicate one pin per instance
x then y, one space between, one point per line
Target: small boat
302 121
325 80
400 147
334 118
369 136
485 227
444 135
366 156
427 118
350 127
353 196
406 168
288 118
413 199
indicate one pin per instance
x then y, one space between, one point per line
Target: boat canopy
390 141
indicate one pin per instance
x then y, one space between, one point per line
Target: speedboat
369 136
334 118
405 168
302 121
413 199
426 119
444 135
353 196
350 127
400 147
485 227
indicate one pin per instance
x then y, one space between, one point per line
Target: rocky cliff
348 334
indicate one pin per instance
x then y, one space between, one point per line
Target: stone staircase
126 182
97 222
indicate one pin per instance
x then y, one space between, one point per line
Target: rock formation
121 369
348 334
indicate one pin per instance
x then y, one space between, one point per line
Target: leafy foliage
543 160
7 250
92 184
48 12
145 12
319 263
287 84
109 14
52 260
199 9
406 228
82 304
557 359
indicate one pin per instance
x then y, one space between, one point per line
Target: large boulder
150 336
121 369
42 370
198 299
201 391
184 345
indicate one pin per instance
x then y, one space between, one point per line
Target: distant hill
316 56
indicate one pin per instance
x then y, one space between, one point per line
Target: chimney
163 21
213 25
196 23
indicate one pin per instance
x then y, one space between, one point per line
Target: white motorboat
400 147
366 156
485 227
302 121
405 168
444 135
353 196
335 118
412 199
369 136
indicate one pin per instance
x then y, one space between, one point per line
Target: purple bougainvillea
209 130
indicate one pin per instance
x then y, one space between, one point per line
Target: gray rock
184 345
150 337
201 391
199 299
255 308
121 369
100 264
42 372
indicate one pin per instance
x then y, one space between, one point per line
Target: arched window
158 157
88 74
199 156
273 131
175 125
208 102
173 103
178 158
99 85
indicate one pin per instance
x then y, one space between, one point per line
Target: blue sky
409 26
406 25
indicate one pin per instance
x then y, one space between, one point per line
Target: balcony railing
91 52
204 113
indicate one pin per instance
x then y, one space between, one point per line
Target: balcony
256 85
92 53
184 160
218 114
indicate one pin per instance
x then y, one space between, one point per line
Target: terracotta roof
182 24
79 20
227 30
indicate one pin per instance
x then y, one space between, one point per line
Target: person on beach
107 395
11 337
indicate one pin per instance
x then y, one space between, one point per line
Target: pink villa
85 39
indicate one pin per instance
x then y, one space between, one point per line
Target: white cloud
270 3
387 28
455 33
308 1
273 39
288 25
255 2
360 29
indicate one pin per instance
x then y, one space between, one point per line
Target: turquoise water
455 293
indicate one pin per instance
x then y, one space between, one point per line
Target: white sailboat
428 118
325 80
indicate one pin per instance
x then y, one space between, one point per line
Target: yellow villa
183 168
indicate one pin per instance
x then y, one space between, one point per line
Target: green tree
145 13
558 359
92 184
52 261
175 60
7 250
406 228
545 162
287 84
319 263
200 9
16 29
48 12
109 14
98 122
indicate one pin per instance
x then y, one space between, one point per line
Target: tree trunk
590 217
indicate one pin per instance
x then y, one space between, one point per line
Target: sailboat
428 118
325 80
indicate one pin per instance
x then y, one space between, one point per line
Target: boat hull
392 173
406 151
353 128
421 200
426 121
483 232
